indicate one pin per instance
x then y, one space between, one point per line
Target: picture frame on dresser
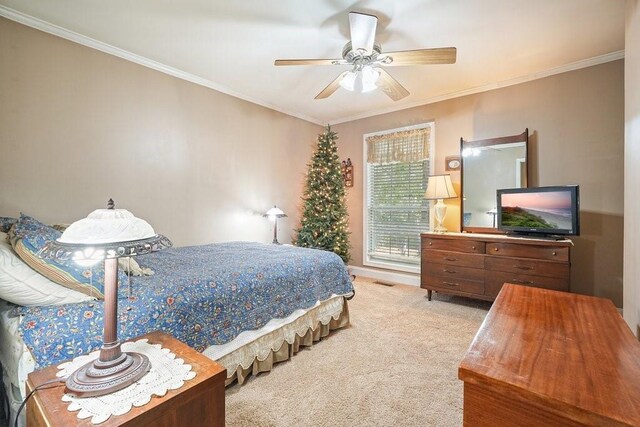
477 265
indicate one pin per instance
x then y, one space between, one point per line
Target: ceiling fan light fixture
348 82
369 79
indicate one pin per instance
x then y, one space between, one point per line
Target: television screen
540 210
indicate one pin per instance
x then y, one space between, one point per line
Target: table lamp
274 213
439 187
106 235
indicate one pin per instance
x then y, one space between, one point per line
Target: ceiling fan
367 59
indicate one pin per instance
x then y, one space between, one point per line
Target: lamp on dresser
106 235
440 187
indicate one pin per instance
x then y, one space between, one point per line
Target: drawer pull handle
555 253
450 271
450 284
523 267
495 249
521 282
473 247
430 243
450 259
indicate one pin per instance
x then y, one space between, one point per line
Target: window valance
403 146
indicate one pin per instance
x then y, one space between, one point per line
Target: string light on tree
324 219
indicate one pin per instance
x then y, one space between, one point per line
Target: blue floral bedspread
202 295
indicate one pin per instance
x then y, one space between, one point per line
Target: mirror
489 165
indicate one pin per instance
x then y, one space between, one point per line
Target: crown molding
56 30
596 60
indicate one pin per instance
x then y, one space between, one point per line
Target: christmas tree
324 220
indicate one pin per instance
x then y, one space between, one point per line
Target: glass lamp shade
348 82
369 79
103 234
361 81
275 212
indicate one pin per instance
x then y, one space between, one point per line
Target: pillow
20 284
6 223
29 235
131 267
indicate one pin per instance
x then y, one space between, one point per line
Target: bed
246 305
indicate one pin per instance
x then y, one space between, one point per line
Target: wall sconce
274 213
347 172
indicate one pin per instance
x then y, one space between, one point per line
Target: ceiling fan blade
390 86
331 87
441 55
309 61
363 31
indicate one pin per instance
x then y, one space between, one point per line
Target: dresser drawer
528 251
495 279
453 272
470 246
453 258
528 266
442 283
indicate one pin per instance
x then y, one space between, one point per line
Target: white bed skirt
253 352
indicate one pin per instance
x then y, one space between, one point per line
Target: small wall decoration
452 163
347 172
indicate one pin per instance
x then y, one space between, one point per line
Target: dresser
547 358
477 265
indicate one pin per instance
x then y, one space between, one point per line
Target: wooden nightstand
199 401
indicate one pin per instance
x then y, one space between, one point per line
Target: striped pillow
29 235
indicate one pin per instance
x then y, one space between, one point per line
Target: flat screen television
540 211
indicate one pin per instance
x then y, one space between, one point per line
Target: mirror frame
523 137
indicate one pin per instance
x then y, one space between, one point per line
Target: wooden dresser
476 265
547 358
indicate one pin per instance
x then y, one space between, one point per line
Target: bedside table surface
200 400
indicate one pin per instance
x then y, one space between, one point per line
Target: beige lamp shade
440 187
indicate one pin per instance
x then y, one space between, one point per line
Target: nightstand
200 401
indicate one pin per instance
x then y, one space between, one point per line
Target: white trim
365 195
584 63
388 276
56 30
390 265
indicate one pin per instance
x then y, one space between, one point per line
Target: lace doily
167 373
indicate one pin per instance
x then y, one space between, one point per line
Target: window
396 212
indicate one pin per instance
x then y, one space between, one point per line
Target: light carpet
396 365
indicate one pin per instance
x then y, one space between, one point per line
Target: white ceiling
231 45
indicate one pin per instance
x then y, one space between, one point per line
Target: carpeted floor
396 365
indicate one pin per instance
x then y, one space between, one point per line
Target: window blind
397 210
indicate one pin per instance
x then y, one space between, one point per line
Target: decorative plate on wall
452 163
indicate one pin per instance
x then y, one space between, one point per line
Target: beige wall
632 167
78 126
576 126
